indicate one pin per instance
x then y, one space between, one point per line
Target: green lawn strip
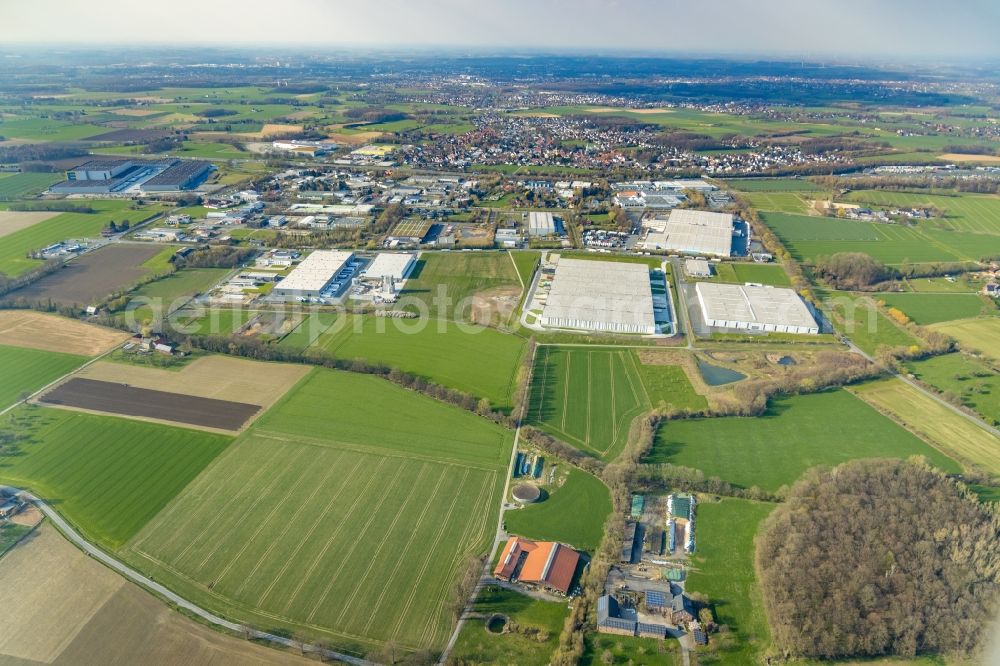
23 371
859 319
477 645
109 476
795 434
722 568
573 513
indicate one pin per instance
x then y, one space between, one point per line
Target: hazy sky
957 30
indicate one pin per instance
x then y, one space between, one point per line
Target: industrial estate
489 361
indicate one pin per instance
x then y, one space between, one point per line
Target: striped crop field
347 513
27 370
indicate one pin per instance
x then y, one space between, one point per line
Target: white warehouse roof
755 307
394 264
315 272
600 296
698 232
541 224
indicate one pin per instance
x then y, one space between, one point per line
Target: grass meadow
976 384
574 513
442 284
476 360
722 568
795 434
980 335
16 185
24 371
351 493
741 273
951 433
476 645
108 476
859 319
977 213
926 309
808 238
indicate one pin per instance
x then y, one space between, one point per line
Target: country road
172 597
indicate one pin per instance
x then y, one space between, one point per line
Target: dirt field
11 221
116 398
60 607
272 129
93 276
355 139
218 377
964 157
36 330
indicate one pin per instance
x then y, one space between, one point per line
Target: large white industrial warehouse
600 296
692 232
314 274
755 308
390 264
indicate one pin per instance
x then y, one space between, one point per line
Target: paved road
176 599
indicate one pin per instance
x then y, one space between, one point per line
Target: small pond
715 375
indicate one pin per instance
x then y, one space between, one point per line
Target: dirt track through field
127 400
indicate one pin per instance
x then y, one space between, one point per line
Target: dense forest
879 557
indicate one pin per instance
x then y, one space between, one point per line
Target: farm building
310 278
698 268
628 544
755 308
600 296
390 264
613 619
541 224
547 564
693 232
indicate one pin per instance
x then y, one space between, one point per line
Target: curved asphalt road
150 584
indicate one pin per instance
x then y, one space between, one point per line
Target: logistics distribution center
109 176
314 275
692 232
755 308
600 296
390 265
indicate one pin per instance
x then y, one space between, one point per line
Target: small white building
698 268
541 224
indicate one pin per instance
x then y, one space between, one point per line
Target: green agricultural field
108 476
214 322
741 273
587 398
351 492
722 568
810 237
211 151
16 185
10 534
977 213
669 386
859 319
476 360
980 335
526 262
476 645
629 651
43 129
15 246
772 185
24 371
311 327
927 309
442 284
574 513
795 434
974 383
783 202
171 292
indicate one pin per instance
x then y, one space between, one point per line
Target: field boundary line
309 533
373 512
569 358
590 395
